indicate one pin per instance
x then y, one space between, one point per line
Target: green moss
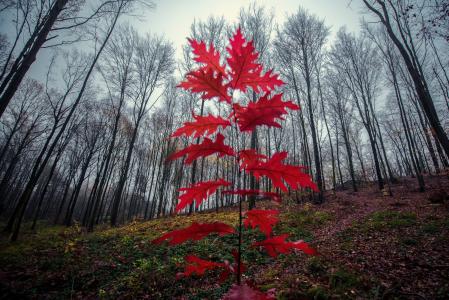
432 228
299 224
343 280
317 293
309 218
382 220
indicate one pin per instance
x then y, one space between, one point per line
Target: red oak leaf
206 125
194 232
240 292
274 196
265 83
198 266
264 111
275 245
304 247
210 58
264 219
198 192
249 157
245 71
207 82
278 244
278 172
206 148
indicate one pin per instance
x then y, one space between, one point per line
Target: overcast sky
172 18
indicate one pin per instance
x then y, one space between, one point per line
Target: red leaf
194 232
206 148
245 292
275 245
203 125
205 81
245 71
265 219
263 112
196 265
265 83
210 58
278 244
274 196
304 247
199 192
249 157
278 172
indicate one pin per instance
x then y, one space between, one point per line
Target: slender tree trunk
7 92
25 197
418 78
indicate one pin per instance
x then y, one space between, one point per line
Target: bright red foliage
264 219
196 265
206 148
275 245
278 245
304 247
245 71
215 80
199 192
194 232
279 172
263 112
206 125
206 81
210 58
249 157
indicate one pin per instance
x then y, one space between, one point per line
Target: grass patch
316 266
300 224
434 226
382 220
342 280
122 262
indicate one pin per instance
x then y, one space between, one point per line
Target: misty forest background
87 141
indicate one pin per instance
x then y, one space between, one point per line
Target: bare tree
153 64
305 36
391 13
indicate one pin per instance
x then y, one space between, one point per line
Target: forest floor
371 247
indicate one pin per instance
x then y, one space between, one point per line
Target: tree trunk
13 83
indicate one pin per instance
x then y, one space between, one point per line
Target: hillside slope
371 247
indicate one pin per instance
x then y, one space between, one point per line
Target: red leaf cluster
196 265
218 78
206 125
199 192
209 57
279 172
245 71
209 83
278 245
205 148
195 232
264 111
264 219
249 157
